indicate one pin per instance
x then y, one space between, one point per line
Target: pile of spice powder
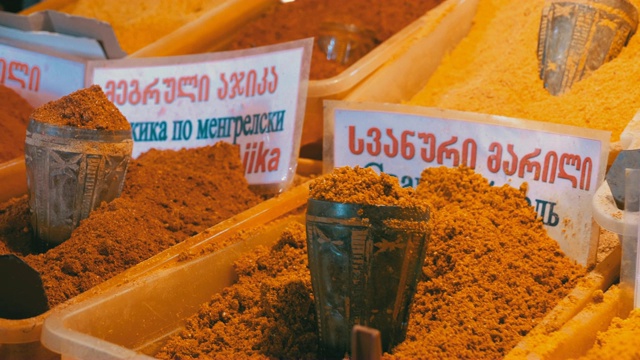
304 19
494 70
168 196
491 273
14 117
268 314
620 341
358 185
87 108
138 23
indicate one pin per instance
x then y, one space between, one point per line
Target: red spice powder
168 196
14 118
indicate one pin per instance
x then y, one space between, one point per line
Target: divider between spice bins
129 319
14 179
578 335
551 335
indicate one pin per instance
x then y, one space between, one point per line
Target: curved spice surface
14 118
490 275
494 70
620 341
360 185
168 196
87 108
303 19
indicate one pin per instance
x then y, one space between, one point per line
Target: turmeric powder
620 341
137 23
494 70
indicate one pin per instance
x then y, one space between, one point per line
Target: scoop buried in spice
21 292
366 241
577 36
77 151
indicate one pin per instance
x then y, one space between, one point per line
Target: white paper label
39 77
247 98
563 171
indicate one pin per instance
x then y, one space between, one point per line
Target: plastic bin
14 179
133 320
418 49
571 332
20 339
400 78
135 313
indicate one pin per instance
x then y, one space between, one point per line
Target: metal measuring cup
365 262
70 172
577 36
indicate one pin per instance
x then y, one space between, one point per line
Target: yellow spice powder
620 341
138 23
494 70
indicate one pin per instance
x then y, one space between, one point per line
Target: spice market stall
264 304
493 70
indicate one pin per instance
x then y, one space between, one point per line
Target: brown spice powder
87 108
490 275
168 196
269 313
303 19
14 118
358 185
494 70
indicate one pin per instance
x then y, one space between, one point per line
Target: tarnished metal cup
70 172
577 36
365 262
345 43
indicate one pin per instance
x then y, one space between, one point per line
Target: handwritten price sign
562 165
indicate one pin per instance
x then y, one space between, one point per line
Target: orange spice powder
494 70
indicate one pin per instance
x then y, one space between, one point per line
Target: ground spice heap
491 272
168 196
358 185
303 19
490 275
138 23
14 117
87 108
620 341
494 70
268 314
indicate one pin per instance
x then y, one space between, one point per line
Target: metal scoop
365 262
21 292
577 36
